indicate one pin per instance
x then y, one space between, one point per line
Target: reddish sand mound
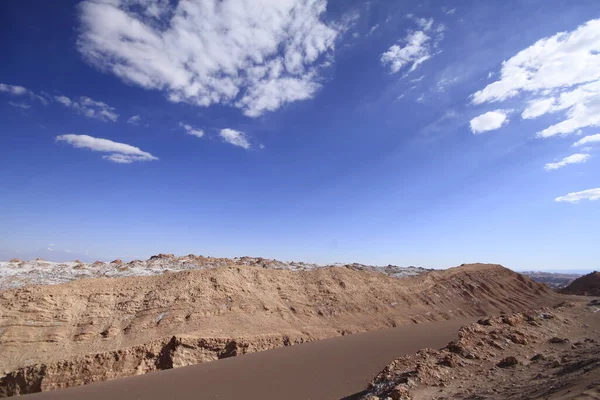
98 329
587 285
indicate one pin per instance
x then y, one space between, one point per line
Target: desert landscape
299 199
71 324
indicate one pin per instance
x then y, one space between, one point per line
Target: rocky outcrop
507 357
178 351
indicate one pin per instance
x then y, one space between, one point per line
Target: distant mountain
552 279
48 254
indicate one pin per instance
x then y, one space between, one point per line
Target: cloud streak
572 159
119 152
134 120
588 140
90 108
16 90
575 197
190 130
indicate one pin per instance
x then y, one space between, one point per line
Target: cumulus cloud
134 120
190 130
561 72
489 121
256 55
90 108
235 138
587 140
416 48
590 194
572 159
119 152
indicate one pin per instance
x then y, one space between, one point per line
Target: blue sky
412 133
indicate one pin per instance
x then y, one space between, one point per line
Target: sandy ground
327 369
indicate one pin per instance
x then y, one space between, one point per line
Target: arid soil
548 353
587 285
97 329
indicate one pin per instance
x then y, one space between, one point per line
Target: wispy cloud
373 29
562 72
16 90
119 152
255 58
588 140
12 89
235 138
90 108
134 120
489 121
19 105
572 159
416 48
190 130
590 194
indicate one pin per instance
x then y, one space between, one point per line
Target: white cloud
12 89
537 107
90 108
572 159
134 120
373 29
443 83
21 91
418 46
590 194
588 139
190 130
256 55
559 61
424 23
20 105
562 72
235 138
120 152
489 121
451 11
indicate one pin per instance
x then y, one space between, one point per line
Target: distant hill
587 285
552 279
47 254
